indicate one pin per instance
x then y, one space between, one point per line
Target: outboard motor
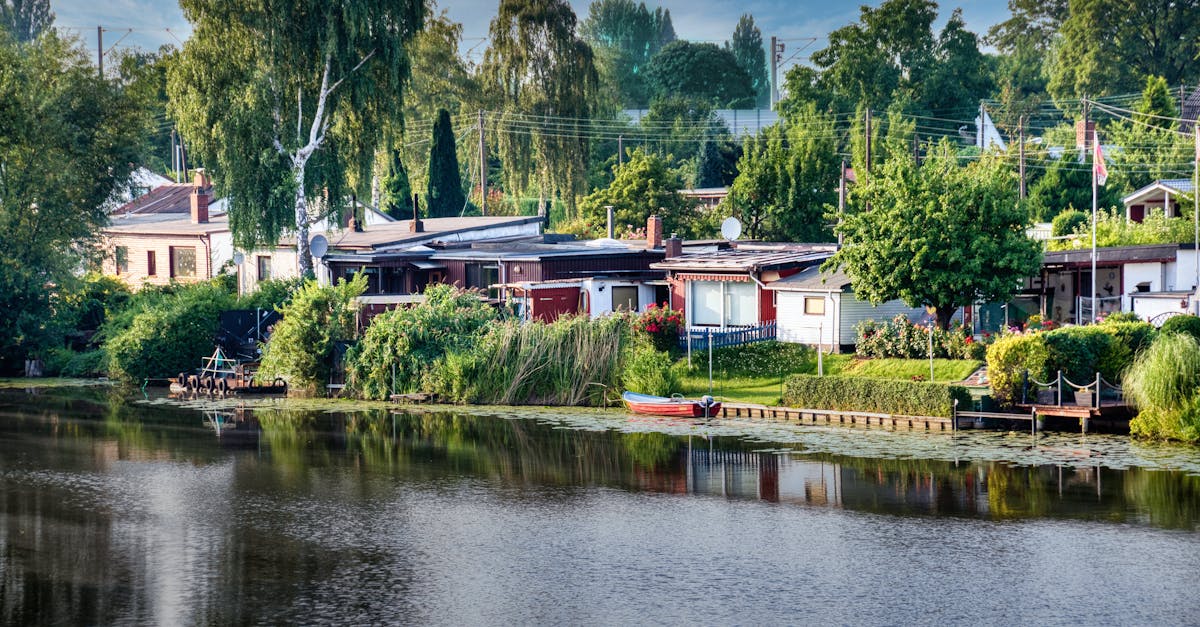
707 402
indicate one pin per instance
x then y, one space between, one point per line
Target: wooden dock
835 417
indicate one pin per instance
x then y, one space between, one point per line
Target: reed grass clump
1164 384
571 361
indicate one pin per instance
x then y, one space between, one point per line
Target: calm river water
115 510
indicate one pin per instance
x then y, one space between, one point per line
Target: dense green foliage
1068 222
397 191
747 48
1164 385
445 198
625 37
301 348
901 337
404 346
287 102
647 370
702 71
644 186
788 180
1183 323
25 20
67 147
909 398
165 333
1112 229
1078 352
537 66
940 234
571 361
761 359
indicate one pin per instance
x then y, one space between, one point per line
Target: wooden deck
835 417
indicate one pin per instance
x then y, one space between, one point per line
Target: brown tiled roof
173 198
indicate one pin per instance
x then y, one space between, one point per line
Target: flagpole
1095 141
1196 212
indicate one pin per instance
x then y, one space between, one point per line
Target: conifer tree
397 192
446 196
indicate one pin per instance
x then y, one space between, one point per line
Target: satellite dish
238 258
318 246
731 228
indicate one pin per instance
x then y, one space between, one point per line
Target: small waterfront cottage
820 308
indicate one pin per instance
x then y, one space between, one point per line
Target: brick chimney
200 197
654 232
673 247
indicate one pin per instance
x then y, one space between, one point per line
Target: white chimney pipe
610 221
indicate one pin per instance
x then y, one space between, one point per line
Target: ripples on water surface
180 513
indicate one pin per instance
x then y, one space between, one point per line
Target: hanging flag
1098 167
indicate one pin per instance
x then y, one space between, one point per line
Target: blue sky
157 22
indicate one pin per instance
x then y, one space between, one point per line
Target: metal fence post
1059 382
1096 400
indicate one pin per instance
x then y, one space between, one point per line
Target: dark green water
115 511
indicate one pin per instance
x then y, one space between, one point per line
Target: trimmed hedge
909 398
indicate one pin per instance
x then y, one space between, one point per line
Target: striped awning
712 277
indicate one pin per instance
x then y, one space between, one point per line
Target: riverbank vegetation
1164 384
302 344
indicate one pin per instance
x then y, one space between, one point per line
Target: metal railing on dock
1047 393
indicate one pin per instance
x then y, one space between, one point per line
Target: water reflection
119 512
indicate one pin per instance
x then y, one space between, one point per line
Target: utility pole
100 50
867 167
1021 152
483 168
620 150
1084 145
841 201
776 57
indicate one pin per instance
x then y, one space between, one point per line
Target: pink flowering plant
662 325
902 338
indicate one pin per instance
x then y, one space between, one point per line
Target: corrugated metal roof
813 280
165 224
743 260
1120 254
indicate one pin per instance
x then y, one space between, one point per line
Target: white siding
1151 273
1148 307
599 294
1181 275
793 325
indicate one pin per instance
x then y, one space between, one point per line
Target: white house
815 307
1161 194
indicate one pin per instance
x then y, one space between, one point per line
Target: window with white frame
814 305
724 303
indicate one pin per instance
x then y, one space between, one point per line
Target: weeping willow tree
543 79
287 100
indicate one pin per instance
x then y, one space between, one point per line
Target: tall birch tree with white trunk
285 102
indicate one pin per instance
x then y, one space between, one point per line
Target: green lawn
766 390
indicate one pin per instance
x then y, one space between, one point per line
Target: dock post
1033 422
1096 399
1059 381
954 417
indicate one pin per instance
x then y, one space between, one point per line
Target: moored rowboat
705 407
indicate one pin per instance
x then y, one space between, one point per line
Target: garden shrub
1164 385
1183 323
1067 222
301 346
414 340
64 362
1079 352
1009 358
661 325
647 370
168 332
904 339
909 398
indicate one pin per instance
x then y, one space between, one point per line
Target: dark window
183 261
625 298
122 260
151 263
264 267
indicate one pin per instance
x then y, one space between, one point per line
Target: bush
649 371
414 340
301 347
1183 323
1079 352
1067 222
762 359
64 362
167 333
1163 384
661 325
1120 316
910 398
272 294
902 338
